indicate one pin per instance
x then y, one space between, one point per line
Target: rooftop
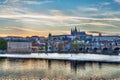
20 40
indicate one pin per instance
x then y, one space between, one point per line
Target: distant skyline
39 17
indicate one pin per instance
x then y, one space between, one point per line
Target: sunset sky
39 17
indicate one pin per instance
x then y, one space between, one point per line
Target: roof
61 35
106 36
19 40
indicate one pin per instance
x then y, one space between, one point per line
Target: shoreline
70 57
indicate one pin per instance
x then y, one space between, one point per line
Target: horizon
93 33
41 17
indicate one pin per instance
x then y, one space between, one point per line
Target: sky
40 17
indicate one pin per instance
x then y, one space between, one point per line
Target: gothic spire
75 29
71 31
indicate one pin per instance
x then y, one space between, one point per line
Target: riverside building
19 46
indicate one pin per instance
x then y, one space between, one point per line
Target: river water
37 69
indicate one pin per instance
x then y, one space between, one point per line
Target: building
76 32
38 43
19 46
38 47
106 38
75 35
8 38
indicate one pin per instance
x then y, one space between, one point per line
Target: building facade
19 46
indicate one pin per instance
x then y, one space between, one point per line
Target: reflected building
32 68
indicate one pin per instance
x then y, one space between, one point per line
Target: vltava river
36 69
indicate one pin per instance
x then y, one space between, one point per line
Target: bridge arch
105 49
87 48
80 49
95 49
117 48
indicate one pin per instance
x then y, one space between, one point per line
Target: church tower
71 31
49 35
75 29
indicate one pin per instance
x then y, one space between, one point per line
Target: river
40 69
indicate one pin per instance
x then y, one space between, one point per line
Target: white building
19 46
105 38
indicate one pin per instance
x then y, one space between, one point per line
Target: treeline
3 44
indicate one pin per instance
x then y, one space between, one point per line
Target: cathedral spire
71 31
75 29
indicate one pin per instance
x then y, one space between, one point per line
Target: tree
3 44
60 46
75 46
46 45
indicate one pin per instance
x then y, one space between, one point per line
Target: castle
76 32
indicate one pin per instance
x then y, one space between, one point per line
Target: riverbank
56 56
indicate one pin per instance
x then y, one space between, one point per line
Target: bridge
106 49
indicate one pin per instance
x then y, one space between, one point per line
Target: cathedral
76 32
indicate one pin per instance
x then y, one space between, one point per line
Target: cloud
111 13
50 20
41 16
118 1
88 9
3 1
53 18
99 24
17 31
13 10
30 2
56 12
105 3
35 2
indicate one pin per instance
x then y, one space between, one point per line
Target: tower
75 29
49 35
71 31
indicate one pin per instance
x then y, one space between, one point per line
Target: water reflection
37 69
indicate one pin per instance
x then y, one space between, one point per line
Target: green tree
3 44
46 45
75 46
60 46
